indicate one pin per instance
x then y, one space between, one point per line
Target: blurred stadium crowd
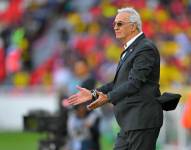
41 42
41 39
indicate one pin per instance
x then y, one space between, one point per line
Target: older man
135 88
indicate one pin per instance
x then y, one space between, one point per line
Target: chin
118 37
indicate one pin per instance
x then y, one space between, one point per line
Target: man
135 88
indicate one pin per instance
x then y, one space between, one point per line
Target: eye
119 24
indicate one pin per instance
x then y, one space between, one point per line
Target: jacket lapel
128 51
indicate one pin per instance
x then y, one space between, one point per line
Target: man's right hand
82 96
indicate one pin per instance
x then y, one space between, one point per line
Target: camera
54 125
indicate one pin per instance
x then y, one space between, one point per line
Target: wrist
108 97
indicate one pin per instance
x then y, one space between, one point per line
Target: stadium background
40 39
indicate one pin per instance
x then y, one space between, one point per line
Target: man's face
80 69
122 26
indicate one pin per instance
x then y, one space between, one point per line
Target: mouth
117 32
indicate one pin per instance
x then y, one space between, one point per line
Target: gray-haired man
135 88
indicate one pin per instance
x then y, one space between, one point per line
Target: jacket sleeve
106 88
142 66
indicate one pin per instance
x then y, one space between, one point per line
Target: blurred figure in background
81 76
82 71
83 129
83 125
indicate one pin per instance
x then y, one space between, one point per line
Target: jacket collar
132 40
134 43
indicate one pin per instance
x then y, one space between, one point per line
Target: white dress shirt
130 42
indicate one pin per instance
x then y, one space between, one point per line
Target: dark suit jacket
135 88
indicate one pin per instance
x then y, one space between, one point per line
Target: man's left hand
102 99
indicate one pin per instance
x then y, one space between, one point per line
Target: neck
128 38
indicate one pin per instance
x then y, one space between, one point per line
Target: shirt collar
132 40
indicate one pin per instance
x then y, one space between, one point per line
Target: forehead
123 16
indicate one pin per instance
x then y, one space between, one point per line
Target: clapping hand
85 95
102 99
82 96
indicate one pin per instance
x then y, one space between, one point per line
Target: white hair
134 16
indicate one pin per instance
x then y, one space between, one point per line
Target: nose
115 27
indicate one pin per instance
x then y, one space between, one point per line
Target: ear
134 27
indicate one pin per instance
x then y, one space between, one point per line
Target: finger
68 100
89 107
78 102
93 105
100 92
72 97
73 101
79 88
65 103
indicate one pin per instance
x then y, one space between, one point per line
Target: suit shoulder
147 43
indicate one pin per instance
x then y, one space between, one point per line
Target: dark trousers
144 139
